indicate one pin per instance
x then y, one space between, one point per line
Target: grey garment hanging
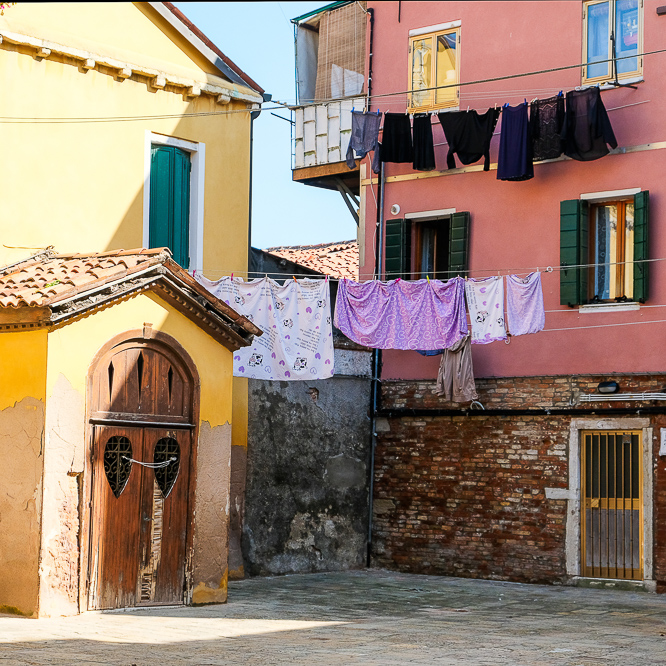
364 138
455 380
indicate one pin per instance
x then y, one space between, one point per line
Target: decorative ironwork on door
612 505
117 463
167 455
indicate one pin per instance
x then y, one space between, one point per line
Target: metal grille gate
612 504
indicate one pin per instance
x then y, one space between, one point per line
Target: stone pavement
361 617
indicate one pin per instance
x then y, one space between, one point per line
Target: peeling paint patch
205 594
64 455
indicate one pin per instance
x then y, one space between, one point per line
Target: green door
170 201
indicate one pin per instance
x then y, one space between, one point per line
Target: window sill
609 307
609 84
434 109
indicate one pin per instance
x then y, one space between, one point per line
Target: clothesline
614 108
489 272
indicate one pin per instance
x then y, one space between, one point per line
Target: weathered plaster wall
22 386
306 501
211 532
64 462
21 431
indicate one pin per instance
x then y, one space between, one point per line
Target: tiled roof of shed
50 277
334 259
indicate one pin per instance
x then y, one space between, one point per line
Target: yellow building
127 128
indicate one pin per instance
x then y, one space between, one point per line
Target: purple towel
402 315
524 304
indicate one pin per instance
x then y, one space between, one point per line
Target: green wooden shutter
641 272
169 219
398 249
574 250
459 244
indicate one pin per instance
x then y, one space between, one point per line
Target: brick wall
464 495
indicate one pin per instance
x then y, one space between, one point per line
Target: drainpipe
371 13
253 116
376 356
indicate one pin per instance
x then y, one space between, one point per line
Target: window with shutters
173 197
612 40
436 248
170 201
605 244
434 68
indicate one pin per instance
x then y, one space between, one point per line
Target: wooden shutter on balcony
459 244
398 249
574 251
641 272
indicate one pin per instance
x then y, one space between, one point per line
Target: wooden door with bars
612 504
141 457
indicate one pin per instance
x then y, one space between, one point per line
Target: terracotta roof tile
45 281
334 259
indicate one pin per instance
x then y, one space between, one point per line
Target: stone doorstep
649 586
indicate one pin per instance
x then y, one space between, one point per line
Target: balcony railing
322 132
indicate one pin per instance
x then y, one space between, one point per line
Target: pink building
548 479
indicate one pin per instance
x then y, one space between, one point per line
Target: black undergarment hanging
546 122
469 134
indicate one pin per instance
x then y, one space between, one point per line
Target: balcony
330 81
321 135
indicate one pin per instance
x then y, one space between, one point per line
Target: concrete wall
306 501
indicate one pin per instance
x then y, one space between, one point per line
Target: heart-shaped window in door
167 463
118 463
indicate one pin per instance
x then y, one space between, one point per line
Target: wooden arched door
142 416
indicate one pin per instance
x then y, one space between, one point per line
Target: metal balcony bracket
349 198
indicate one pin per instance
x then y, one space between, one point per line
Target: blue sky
259 38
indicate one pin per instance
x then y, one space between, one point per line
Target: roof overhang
171 15
166 279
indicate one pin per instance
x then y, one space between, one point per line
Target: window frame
416 35
618 266
197 153
402 255
610 77
576 251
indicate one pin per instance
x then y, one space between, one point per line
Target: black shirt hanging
424 150
587 128
469 134
396 139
